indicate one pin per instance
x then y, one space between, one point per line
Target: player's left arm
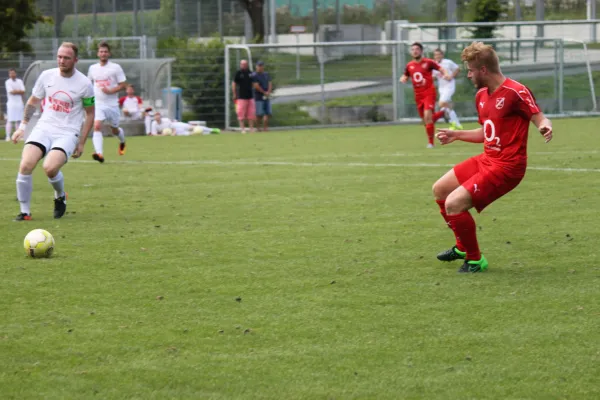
89 105
543 124
116 89
456 70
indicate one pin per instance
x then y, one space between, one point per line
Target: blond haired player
505 108
109 79
58 135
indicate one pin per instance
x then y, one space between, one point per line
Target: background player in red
505 108
420 71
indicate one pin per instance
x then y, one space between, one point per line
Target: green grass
334 265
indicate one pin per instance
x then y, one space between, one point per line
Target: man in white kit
165 127
131 104
446 88
58 135
108 79
15 89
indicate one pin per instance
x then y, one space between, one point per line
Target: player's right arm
404 77
33 103
236 78
447 136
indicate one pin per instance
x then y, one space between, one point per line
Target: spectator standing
241 87
262 93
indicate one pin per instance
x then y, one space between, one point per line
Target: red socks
465 230
438 115
442 204
430 130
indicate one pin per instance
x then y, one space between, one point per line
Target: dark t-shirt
263 80
243 80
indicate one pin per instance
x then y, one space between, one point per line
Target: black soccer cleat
98 157
23 217
451 254
470 266
60 206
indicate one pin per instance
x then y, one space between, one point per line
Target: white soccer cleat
429 146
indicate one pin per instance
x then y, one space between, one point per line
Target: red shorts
484 181
424 102
245 109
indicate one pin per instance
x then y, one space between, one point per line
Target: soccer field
301 265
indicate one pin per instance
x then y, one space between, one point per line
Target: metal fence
206 18
356 83
348 83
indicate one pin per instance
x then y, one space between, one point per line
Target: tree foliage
16 17
255 8
484 11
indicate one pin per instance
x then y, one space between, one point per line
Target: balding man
243 97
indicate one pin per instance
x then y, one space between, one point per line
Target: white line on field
308 164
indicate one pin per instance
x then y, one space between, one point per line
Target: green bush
199 71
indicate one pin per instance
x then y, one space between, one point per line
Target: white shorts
48 140
181 128
134 115
446 94
14 112
111 115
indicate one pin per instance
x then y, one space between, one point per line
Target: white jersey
450 67
64 100
11 85
110 76
164 124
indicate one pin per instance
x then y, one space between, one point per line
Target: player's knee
26 167
51 169
97 125
456 204
439 193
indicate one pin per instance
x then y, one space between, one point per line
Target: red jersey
421 75
505 116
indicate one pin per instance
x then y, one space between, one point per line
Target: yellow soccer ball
39 243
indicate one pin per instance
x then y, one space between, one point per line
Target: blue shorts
263 107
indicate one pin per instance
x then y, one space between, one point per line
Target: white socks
121 135
8 128
454 117
148 123
24 189
98 140
58 183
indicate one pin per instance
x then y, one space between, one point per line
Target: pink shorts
245 109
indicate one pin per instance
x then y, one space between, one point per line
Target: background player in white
160 125
446 88
15 89
108 79
58 135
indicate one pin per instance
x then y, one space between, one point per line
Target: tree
484 11
16 17
255 8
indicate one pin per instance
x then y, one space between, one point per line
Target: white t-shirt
63 100
132 104
110 76
156 127
11 85
450 67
